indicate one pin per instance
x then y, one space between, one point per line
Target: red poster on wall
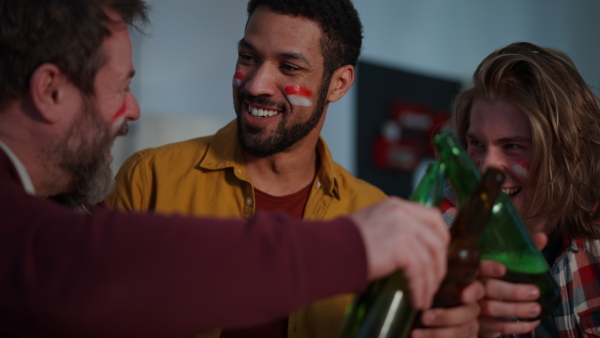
405 138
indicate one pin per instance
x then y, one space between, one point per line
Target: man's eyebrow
516 139
295 56
504 139
284 55
246 44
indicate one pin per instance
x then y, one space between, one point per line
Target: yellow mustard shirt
207 176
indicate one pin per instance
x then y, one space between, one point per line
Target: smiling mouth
261 112
511 191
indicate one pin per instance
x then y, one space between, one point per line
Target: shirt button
318 185
248 201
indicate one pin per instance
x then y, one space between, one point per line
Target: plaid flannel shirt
577 272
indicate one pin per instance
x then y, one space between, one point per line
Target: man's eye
474 143
244 56
289 67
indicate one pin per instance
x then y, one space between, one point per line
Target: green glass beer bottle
464 252
384 310
506 238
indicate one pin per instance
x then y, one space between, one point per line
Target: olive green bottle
385 309
464 253
506 238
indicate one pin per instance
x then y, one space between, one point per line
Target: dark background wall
380 89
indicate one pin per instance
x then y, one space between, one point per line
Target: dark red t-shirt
293 205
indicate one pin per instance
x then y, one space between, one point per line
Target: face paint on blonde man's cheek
521 168
237 79
119 118
298 95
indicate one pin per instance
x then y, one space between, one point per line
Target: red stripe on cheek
238 75
523 163
298 90
120 112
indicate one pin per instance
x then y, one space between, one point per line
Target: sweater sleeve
67 274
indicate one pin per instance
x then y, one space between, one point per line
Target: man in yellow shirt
66 67
294 59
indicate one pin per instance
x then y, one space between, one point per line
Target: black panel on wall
378 87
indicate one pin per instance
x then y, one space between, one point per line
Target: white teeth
260 112
511 191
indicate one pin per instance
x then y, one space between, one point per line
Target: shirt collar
225 151
575 245
21 170
327 173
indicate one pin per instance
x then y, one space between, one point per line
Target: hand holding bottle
460 321
388 307
406 236
504 300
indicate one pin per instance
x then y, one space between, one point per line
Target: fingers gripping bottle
506 238
384 310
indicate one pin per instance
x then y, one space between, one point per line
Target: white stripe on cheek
298 100
237 82
519 170
118 123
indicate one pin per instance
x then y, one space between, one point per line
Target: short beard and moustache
283 138
84 154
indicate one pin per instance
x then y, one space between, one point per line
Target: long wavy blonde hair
565 122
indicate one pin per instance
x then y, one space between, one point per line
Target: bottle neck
460 169
429 192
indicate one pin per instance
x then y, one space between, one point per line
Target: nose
491 159
133 108
261 81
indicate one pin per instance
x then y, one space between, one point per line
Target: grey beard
96 180
94 185
85 156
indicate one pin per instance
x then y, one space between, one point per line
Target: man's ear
341 81
51 92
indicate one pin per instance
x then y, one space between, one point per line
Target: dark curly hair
67 33
342 30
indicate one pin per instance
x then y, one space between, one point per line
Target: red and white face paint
119 118
298 95
521 168
237 79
